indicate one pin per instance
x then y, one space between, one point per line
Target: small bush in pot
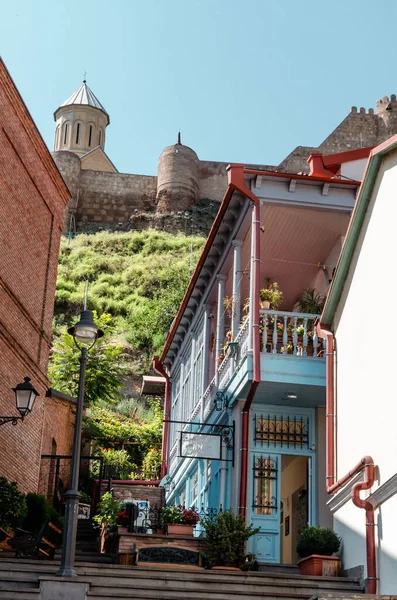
225 537
316 545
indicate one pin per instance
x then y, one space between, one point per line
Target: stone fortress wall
185 194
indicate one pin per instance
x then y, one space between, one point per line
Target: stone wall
111 198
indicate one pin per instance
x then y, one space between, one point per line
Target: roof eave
355 226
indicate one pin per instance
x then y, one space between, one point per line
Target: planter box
316 564
122 529
180 529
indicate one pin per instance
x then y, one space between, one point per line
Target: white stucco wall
354 169
365 374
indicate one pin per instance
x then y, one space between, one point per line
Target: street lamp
85 333
25 395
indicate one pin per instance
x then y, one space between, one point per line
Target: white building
361 391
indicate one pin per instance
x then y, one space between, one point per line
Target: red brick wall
33 199
58 430
154 494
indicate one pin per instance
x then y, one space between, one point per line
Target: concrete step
12 593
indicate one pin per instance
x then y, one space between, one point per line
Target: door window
265 485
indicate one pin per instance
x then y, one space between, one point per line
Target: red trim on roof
331 160
322 178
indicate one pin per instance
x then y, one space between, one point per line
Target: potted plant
310 302
315 548
180 521
122 522
230 348
224 541
106 518
271 297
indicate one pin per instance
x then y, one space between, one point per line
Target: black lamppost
85 333
25 395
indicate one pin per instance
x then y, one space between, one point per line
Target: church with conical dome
185 187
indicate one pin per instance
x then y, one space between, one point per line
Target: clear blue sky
245 81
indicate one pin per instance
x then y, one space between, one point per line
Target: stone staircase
20 580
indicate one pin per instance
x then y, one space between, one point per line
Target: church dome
84 96
80 122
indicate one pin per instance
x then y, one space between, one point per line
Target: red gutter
158 367
366 464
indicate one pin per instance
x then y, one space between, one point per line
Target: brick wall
58 431
127 541
154 494
33 198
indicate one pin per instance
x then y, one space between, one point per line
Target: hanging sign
200 445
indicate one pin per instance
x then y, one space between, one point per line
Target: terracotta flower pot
265 304
319 565
180 529
122 529
224 568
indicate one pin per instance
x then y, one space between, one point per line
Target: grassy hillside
137 277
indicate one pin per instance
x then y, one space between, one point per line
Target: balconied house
245 386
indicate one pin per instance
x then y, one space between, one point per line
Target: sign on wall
200 445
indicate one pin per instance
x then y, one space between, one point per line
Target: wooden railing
290 333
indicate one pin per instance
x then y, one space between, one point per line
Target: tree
106 366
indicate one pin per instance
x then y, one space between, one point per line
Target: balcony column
206 355
236 316
220 319
252 280
192 386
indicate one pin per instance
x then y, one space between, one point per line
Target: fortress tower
177 178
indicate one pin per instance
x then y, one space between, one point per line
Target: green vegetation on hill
139 278
136 283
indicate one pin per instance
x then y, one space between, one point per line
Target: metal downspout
158 367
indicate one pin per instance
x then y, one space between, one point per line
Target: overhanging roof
355 226
233 208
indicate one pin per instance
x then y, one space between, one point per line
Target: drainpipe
158 367
366 464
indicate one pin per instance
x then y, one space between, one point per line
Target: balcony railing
290 333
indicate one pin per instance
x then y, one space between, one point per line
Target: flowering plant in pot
122 521
315 548
271 297
180 521
224 541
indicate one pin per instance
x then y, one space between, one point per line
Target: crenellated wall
186 186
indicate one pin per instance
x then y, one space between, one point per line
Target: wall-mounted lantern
25 395
221 401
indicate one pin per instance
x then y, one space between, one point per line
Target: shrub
12 504
38 510
225 537
108 510
318 540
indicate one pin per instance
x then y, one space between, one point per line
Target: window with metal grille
277 430
265 485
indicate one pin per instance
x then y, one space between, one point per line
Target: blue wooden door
264 506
